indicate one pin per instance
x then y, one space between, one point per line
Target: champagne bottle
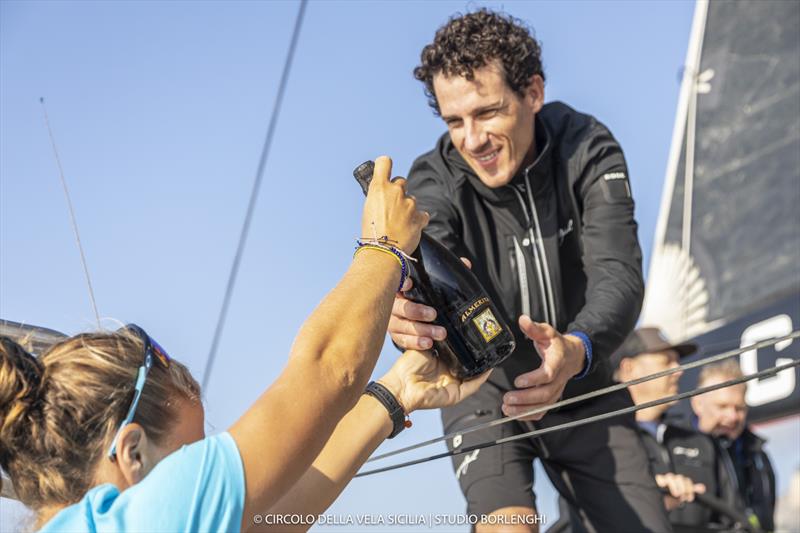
477 337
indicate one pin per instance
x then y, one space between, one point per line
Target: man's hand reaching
409 324
563 356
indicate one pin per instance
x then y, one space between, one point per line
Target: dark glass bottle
477 336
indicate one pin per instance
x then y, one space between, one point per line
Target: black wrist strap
396 413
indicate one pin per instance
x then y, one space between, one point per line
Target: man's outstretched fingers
541 376
409 310
402 326
528 397
536 331
412 342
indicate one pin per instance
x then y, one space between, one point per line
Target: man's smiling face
490 125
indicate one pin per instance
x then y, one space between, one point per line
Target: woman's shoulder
176 490
76 517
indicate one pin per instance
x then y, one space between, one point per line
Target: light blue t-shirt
198 488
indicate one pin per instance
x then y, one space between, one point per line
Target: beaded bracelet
391 250
385 242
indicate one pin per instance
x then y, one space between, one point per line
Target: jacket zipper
758 462
536 259
662 429
523 277
728 462
539 242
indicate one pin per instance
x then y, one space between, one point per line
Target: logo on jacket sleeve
609 176
615 187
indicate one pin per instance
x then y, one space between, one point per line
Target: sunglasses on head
153 352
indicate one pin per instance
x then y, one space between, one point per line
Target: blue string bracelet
398 254
587 347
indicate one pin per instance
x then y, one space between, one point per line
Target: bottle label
483 319
487 324
472 308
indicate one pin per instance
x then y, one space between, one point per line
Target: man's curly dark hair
469 42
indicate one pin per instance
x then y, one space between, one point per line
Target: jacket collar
538 171
680 421
750 441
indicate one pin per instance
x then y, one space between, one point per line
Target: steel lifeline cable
595 418
592 394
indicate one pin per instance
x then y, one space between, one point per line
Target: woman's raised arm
418 381
332 357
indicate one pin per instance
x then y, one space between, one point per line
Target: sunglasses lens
151 345
160 353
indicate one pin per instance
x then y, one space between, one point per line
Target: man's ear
534 93
697 404
132 459
624 370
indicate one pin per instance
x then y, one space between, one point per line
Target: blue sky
160 109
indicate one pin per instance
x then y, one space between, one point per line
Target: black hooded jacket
678 448
750 475
558 243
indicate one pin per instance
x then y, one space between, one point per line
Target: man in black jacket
537 198
683 460
723 414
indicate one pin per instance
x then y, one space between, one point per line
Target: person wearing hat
646 351
683 460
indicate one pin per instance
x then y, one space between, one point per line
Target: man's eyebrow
489 107
477 111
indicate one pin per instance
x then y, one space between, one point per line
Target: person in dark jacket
537 198
683 460
723 415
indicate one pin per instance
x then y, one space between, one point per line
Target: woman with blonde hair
104 432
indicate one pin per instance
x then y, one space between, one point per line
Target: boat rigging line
593 394
588 420
273 121
71 212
